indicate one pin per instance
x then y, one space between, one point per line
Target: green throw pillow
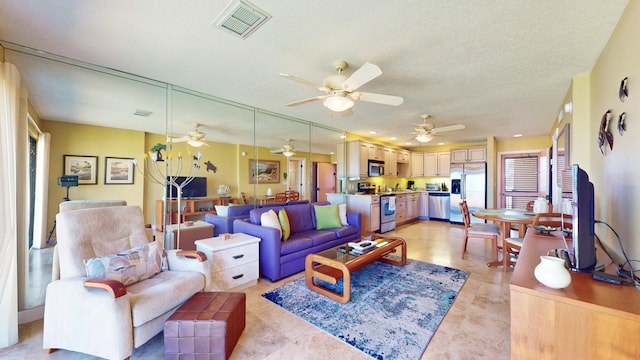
327 216
284 224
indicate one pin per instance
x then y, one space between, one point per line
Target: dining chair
479 230
244 198
280 198
511 246
292 195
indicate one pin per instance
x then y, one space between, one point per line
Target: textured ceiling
498 67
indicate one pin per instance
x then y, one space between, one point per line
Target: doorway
324 180
295 179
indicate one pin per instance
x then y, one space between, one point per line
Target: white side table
234 262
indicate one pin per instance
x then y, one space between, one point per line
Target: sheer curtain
40 233
13 195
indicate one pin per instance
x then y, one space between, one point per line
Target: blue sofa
224 224
279 259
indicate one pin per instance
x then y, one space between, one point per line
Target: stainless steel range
387 213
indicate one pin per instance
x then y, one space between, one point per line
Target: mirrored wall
91 110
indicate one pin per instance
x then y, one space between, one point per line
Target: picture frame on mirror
118 171
84 166
264 171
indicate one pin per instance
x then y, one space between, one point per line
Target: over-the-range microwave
376 168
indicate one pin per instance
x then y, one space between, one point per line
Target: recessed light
408 143
440 143
517 135
373 132
393 138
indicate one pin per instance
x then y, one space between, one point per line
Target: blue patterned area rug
394 310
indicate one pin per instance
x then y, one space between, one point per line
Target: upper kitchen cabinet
469 155
375 152
390 164
403 156
437 164
357 159
417 165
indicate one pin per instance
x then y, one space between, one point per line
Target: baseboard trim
29 315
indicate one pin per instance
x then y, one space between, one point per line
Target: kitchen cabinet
341 159
390 165
401 209
413 206
369 207
424 206
357 159
417 165
437 164
403 156
478 154
375 152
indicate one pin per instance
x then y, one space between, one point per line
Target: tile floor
476 326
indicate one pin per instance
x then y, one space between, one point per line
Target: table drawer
229 258
233 277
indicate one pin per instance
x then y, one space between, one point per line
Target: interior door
326 180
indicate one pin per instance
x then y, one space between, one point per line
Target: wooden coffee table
332 265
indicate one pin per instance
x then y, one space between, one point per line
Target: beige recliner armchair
107 317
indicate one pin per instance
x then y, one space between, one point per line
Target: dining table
506 218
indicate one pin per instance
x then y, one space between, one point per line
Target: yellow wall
615 174
524 143
74 139
232 168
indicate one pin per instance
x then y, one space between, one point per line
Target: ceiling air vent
241 18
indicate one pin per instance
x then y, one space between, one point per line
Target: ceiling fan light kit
423 138
338 103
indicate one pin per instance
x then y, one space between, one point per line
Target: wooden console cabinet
191 207
589 319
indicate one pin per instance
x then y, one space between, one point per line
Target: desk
589 319
265 199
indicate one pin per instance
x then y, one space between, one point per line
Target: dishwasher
439 206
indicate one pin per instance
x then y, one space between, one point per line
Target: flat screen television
195 188
584 250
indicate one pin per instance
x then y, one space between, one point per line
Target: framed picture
264 171
118 170
86 167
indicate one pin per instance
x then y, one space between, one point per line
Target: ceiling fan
425 132
286 150
194 138
341 90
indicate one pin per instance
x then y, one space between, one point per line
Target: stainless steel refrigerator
468 182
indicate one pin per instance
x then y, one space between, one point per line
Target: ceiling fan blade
347 112
178 139
449 128
379 98
306 82
300 102
363 75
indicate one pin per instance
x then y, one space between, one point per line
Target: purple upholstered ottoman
207 326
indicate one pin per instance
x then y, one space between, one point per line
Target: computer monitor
197 187
583 204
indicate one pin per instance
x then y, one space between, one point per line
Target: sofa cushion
342 211
240 210
284 224
222 210
256 214
300 217
327 217
320 237
297 242
128 267
270 219
167 290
